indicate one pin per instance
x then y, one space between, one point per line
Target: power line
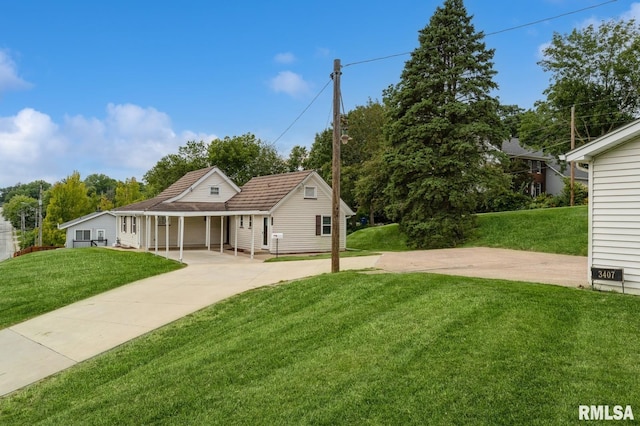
517 27
302 113
381 58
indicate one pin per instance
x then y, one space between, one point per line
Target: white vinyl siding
296 219
615 215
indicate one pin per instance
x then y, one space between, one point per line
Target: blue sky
112 87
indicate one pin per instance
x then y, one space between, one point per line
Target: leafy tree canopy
597 70
68 200
31 189
239 157
128 192
244 157
19 206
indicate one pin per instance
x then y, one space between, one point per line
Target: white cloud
9 79
30 143
127 142
285 58
633 12
290 83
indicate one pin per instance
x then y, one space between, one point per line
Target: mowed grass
378 238
353 348
40 282
318 256
562 230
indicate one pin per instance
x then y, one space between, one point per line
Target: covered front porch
244 232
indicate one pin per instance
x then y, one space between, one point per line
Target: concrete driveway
483 262
42 346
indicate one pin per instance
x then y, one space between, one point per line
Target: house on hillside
613 161
546 174
95 229
290 212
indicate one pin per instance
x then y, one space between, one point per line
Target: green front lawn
353 348
562 230
40 282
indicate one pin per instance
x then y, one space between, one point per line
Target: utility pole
573 145
335 170
40 218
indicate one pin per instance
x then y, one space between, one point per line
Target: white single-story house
613 161
287 213
95 229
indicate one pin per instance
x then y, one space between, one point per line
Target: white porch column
253 234
166 236
208 232
221 234
147 231
235 245
181 234
155 232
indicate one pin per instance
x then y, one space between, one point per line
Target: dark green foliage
442 122
596 69
244 157
239 157
361 180
31 189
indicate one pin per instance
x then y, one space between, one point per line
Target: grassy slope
559 230
380 238
361 349
40 282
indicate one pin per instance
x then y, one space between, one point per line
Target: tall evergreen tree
442 122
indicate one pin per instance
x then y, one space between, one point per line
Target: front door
265 232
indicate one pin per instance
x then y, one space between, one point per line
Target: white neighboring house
205 208
614 204
95 229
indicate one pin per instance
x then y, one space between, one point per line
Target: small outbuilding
613 161
95 229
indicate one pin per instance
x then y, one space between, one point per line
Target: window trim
241 221
83 231
124 224
320 225
211 190
315 192
134 224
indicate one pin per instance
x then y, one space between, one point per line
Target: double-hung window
83 234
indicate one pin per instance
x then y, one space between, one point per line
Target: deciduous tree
244 157
597 70
68 200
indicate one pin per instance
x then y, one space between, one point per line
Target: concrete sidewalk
42 346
